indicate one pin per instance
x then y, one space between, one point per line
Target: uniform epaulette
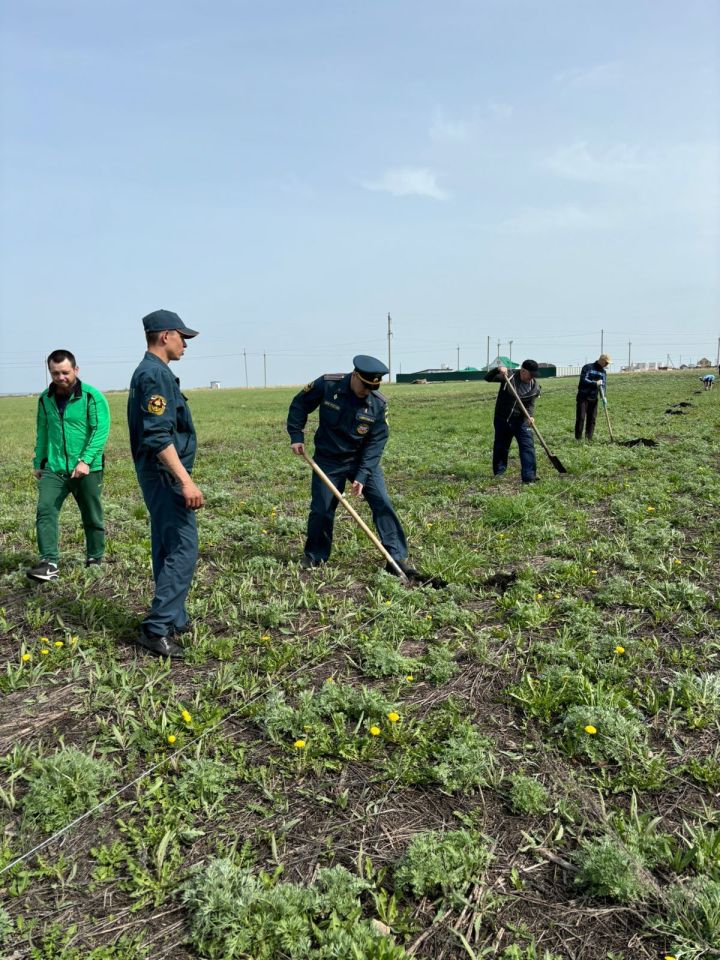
380 396
333 376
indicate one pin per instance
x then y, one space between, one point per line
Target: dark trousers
585 416
505 430
323 505
53 491
173 531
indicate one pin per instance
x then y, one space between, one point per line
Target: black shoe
43 571
307 563
161 646
532 480
93 561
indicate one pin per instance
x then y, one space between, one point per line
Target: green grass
347 767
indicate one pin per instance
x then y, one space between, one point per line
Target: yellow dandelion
590 729
429 617
651 509
677 562
428 525
330 680
44 640
388 602
538 596
186 716
265 637
26 657
619 650
593 572
264 531
44 651
409 678
393 717
299 744
58 644
669 956
374 731
171 738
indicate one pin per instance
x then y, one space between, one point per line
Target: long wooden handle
605 408
524 410
355 515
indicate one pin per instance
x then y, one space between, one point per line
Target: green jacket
80 434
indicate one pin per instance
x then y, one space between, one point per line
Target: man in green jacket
73 423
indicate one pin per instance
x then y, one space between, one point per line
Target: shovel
605 408
555 461
356 517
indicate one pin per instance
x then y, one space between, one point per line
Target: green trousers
53 490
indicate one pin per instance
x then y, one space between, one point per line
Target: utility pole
264 369
458 358
510 352
487 362
717 358
602 341
389 335
629 354
498 350
247 384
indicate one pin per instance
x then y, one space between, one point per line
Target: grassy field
522 765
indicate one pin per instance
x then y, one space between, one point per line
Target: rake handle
605 409
355 515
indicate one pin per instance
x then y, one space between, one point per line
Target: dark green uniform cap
160 320
370 370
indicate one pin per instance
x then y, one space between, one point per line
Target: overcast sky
283 174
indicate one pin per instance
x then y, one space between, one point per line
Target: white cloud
501 109
408 182
443 130
539 220
617 164
601 75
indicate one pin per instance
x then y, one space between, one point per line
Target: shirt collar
76 391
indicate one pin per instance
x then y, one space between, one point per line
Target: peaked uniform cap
369 369
160 320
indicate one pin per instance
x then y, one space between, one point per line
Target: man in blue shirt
163 444
349 443
592 376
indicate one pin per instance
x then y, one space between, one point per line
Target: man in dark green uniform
163 444
73 423
349 443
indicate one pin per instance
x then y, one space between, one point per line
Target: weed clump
235 914
609 869
693 915
443 864
603 733
63 786
528 795
466 760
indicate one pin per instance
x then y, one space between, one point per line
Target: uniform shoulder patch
157 404
333 376
308 386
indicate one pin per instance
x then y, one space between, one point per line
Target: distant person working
510 421
593 379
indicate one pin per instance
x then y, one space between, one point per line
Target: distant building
214 384
704 362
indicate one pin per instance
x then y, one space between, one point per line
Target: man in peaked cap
349 443
163 444
593 378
